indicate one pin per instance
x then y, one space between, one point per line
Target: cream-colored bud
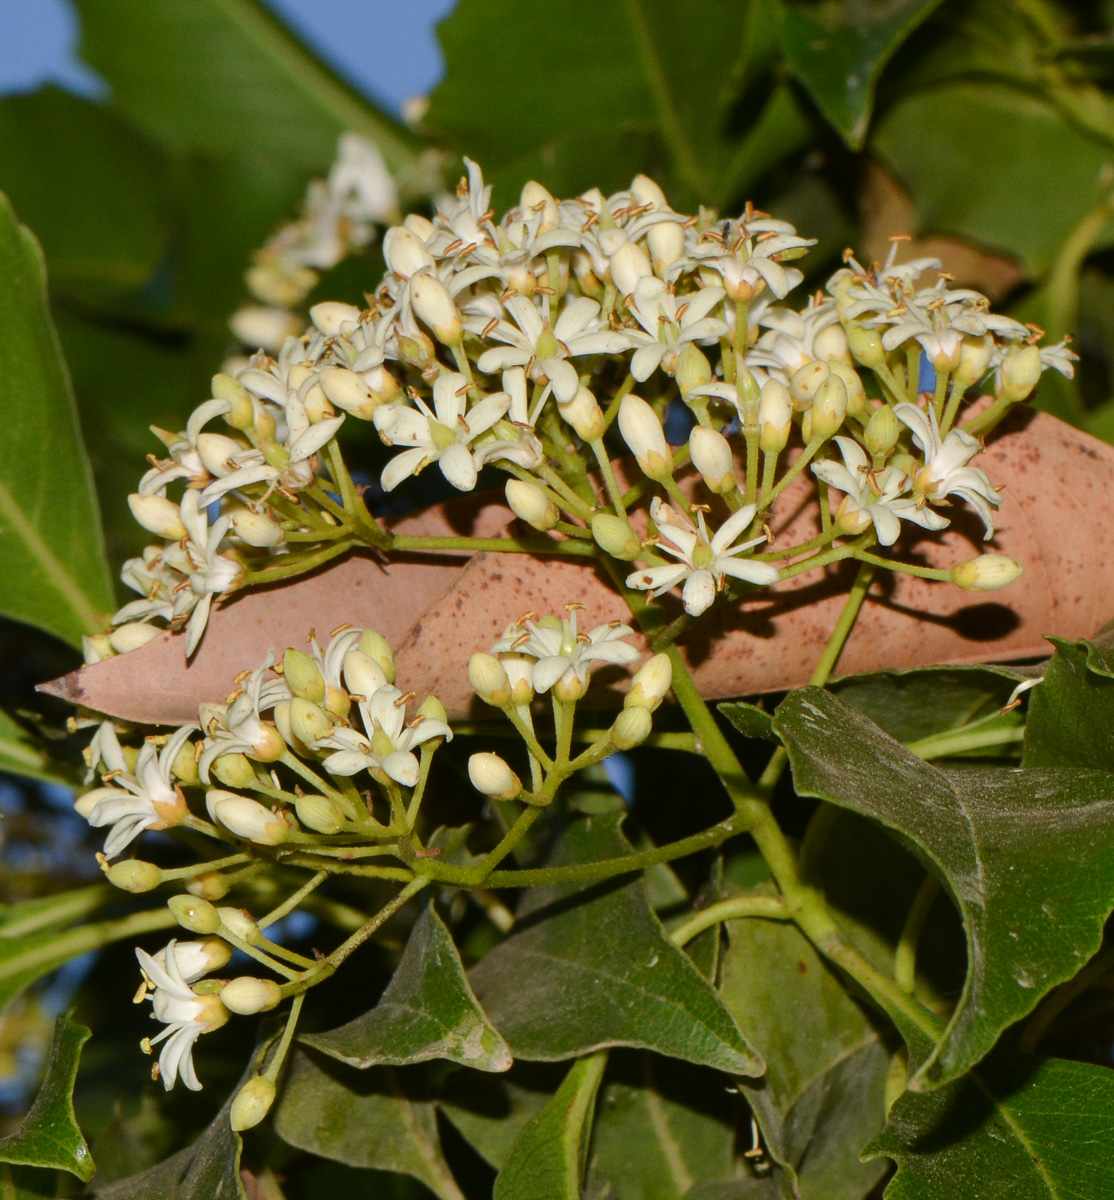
986 573
615 535
775 416
131 636
253 1102
666 240
378 649
210 885
536 200
303 676
632 727
629 264
308 721
348 391
132 875
433 710
331 316
646 191
711 455
489 679
531 504
417 224
857 403
158 515
865 345
806 382
829 408
264 328
882 431
319 813
406 252
233 770
830 344
241 414
363 676
583 413
184 767
974 359
520 672
416 350
85 803
642 431
246 819
198 958
434 307
1021 372
382 385
651 683
256 528
493 777
214 450
249 995
570 687
194 914
96 648
239 922
693 369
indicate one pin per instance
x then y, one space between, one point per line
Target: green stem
802 461
279 1056
967 738
539 545
905 957
734 909
292 901
941 575
616 496
299 567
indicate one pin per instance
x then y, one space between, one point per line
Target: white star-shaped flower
563 653
668 322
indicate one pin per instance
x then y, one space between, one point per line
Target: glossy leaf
49 1135
53 572
589 967
839 60
220 75
367 1118
546 1162
1071 714
1017 1126
822 1097
1028 856
428 1011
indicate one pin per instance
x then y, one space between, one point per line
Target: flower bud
650 684
214 450
319 813
241 414
194 914
831 343
493 777
531 504
331 316
253 1102
249 995
348 391
570 687
239 922
629 264
434 307
882 431
131 636
693 369
132 875
378 649
264 328
405 252
865 346
986 573
416 350
666 240
256 528
647 191
195 959
806 382
303 676
184 766
829 408
711 455
775 416
584 415
246 819
233 770
158 515
632 727
857 403
642 431
1021 372
489 680
210 885
615 535
535 198
975 354
520 672
96 648
308 722
362 675
433 710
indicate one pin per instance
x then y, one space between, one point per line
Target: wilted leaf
1028 855
49 1136
589 967
428 1011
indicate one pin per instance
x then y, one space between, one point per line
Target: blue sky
386 47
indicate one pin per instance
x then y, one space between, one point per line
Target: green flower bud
253 1102
974 359
308 722
303 676
194 914
233 770
882 431
319 813
615 535
1021 372
651 683
865 346
807 382
693 369
249 995
632 727
857 403
242 413
829 408
132 875
531 504
378 649
240 922
489 680
986 573
211 885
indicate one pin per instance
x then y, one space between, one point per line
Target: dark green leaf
839 60
750 720
374 1118
1071 714
53 572
546 1162
490 1111
1028 855
428 1011
822 1097
589 967
21 754
42 912
1016 1127
49 1136
219 75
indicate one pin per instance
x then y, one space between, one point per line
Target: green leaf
605 99
1016 1127
750 720
22 754
822 1097
1027 854
375 1118
929 137
839 60
49 1136
42 912
53 572
219 75
589 967
91 187
428 1011
546 1162
1071 714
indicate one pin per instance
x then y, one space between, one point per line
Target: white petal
402 767
698 593
548 671
402 466
458 467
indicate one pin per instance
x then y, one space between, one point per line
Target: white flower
703 562
147 799
186 1016
444 435
562 653
945 470
208 572
243 730
668 322
748 253
874 497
